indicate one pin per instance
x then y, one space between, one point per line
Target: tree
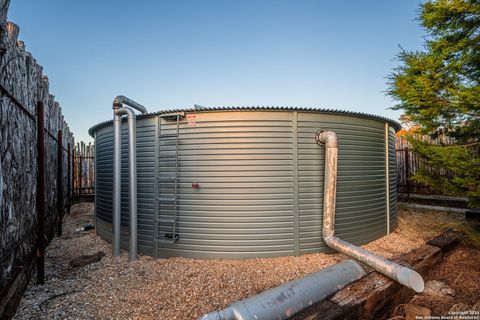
439 91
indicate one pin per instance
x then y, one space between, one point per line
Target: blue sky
168 54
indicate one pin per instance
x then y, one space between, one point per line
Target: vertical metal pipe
132 185
60 206
387 178
40 193
132 181
117 167
329 140
403 275
118 111
175 184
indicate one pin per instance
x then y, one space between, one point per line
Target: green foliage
449 169
439 91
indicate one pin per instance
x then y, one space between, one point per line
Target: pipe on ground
401 274
118 111
284 301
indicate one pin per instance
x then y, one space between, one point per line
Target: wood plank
446 241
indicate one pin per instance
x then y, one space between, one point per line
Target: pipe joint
328 234
327 138
126 111
120 100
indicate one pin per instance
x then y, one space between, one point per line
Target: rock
438 289
86 260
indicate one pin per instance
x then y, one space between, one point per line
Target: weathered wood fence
84 170
409 163
36 152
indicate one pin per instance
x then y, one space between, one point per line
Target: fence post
74 178
69 176
407 173
80 173
60 206
40 193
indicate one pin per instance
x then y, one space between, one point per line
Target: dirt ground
180 288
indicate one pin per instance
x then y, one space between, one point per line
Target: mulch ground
180 288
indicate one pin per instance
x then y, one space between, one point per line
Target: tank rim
397 126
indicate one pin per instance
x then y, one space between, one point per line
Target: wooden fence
409 163
35 166
84 170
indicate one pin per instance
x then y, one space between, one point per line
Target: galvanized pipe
403 275
286 300
117 165
119 100
387 177
132 173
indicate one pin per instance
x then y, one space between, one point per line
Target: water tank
247 182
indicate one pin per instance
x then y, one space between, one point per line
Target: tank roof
198 109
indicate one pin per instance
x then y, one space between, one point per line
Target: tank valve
195 185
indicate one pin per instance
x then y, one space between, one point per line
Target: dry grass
180 288
461 271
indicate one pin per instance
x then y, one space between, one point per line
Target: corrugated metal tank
260 181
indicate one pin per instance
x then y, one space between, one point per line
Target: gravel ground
178 288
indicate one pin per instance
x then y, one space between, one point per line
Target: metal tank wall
393 171
145 185
243 164
361 212
260 182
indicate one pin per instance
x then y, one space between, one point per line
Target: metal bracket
316 137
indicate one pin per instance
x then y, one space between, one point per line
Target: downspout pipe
118 111
284 301
401 274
